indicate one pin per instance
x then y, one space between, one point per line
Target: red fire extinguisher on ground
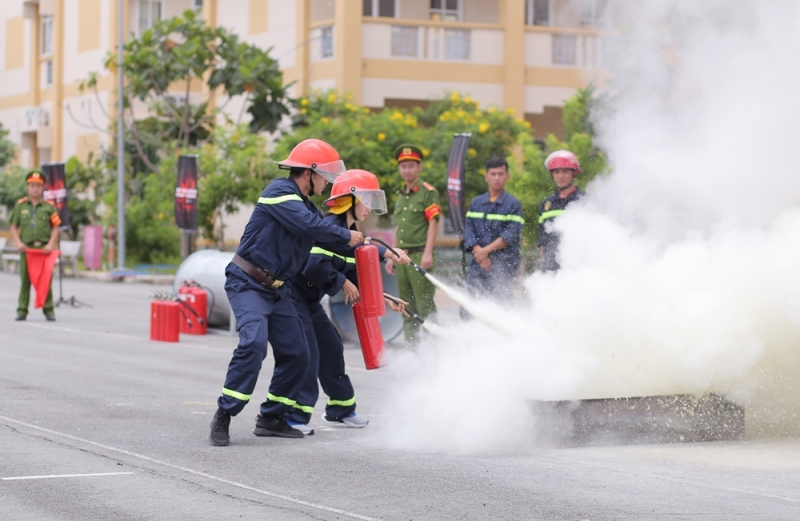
370 281
194 300
165 318
369 336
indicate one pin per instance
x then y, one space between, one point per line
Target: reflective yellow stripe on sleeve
343 403
316 250
549 215
237 395
501 217
495 217
279 200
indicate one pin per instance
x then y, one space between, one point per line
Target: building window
592 12
326 42
537 12
456 44
48 72
446 10
47 35
565 49
404 41
198 5
149 14
386 8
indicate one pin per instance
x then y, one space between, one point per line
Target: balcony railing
554 47
442 41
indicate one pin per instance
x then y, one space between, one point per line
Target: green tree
367 139
530 181
87 183
233 166
164 65
8 150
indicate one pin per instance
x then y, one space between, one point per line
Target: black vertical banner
55 190
186 193
455 181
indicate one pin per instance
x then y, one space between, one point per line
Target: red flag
40 271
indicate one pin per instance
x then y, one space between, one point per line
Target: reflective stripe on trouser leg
332 376
290 349
309 391
252 306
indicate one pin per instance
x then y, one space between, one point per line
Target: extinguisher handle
407 311
413 264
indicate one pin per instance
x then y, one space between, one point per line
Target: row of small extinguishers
187 312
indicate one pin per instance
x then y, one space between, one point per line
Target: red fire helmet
562 159
361 184
316 155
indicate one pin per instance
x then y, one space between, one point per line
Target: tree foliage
530 181
164 67
367 139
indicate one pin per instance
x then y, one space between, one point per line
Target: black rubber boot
50 318
220 425
275 427
20 318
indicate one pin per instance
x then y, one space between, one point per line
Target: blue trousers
496 284
326 362
263 315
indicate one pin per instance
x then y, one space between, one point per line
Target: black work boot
50 318
275 427
219 429
20 318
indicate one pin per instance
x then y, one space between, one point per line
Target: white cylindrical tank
207 268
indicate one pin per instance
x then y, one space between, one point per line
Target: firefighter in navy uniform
276 242
34 224
492 235
564 167
354 195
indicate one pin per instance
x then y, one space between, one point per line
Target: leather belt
261 275
417 249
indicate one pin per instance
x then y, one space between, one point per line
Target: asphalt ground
98 422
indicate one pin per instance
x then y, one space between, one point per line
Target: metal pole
120 143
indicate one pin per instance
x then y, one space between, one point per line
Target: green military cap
407 152
35 176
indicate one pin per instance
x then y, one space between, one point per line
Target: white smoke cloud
681 274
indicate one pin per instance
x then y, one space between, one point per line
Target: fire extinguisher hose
413 264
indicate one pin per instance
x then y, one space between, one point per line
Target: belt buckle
277 284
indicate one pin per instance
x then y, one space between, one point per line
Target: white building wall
537 97
14 81
374 91
77 66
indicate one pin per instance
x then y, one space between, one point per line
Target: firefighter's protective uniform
283 228
554 206
486 222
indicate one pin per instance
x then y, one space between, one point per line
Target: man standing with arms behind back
34 224
492 235
416 215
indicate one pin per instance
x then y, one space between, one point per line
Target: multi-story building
525 55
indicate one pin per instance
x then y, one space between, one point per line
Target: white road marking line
190 471
51 476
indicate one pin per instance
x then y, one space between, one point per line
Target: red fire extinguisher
195 302
370 281
369 336
165 317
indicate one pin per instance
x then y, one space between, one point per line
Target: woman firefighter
354 195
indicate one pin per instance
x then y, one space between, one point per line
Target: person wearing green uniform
416 215
34 224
